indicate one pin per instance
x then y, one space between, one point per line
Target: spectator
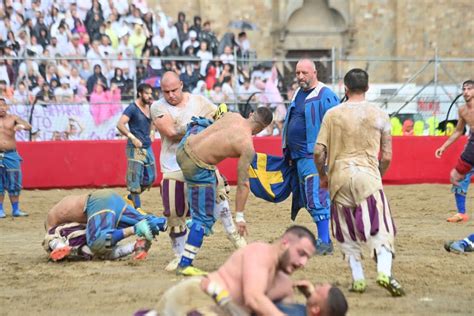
93 27
160 40
227 57
104 104
20 96
51 73
196 27
74 79
141 74
75 48
205 55
85 69
63 34
407 128
247 92
216 95
43 38
155 61
97 76
64 68
189 77
111 33
171 31
201 89
180 27
94 55
208 36
12 42
64 93
211 79
228 90
119 80
137 39
96 9
227 40
45 96
53 47
172 49
34 46
191 42
79 28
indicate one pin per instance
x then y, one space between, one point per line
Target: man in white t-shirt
171 114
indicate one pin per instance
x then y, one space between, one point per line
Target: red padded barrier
73 164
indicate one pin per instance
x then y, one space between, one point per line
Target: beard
284 261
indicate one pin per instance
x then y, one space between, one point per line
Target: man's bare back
69 209
225 138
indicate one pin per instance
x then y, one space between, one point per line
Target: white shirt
197 106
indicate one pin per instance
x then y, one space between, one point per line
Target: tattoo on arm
320 155
386 152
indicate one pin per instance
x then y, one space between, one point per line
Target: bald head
306 74
172 88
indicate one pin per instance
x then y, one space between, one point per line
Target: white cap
193 34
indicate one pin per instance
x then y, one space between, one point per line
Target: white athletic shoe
173 265
237 240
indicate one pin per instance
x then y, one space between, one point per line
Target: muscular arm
386 152
320 155
454 137
256 268
121 125
22 124
243 186
166 126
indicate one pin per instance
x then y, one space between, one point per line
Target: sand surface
436 282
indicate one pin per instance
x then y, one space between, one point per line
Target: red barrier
103 163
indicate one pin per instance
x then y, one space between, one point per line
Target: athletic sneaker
190 271
60 253
358 286
19 214
390 284
458 218
323 248
237 240
458 246
173 265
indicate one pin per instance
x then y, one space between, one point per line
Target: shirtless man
92 224
10 160
247 282
466 117
201 149
170 115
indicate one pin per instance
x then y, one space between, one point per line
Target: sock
121 251
2 212
135 197
222 211
323 230
194 242
356 268
177 244
117 235
384 261
468 241
460 203
15 207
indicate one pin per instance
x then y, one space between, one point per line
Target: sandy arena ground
436 282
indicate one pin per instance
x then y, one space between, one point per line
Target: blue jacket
317 103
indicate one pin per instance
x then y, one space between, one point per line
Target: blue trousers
10 173
316 200
141 170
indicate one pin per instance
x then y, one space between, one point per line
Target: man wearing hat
10 160
191 41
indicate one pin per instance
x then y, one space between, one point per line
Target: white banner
70 121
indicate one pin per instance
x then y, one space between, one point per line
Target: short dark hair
263 115
142 87
336 303
357 80
301 231
468 82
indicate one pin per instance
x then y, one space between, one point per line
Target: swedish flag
273 179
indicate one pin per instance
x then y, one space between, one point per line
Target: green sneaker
358 286
142 229
390 284
190 271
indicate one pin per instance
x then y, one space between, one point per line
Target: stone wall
378 28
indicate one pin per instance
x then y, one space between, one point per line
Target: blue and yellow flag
273 179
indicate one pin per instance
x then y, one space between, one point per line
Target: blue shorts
316 200
106 211
141 170
463 185
10 173
201 181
